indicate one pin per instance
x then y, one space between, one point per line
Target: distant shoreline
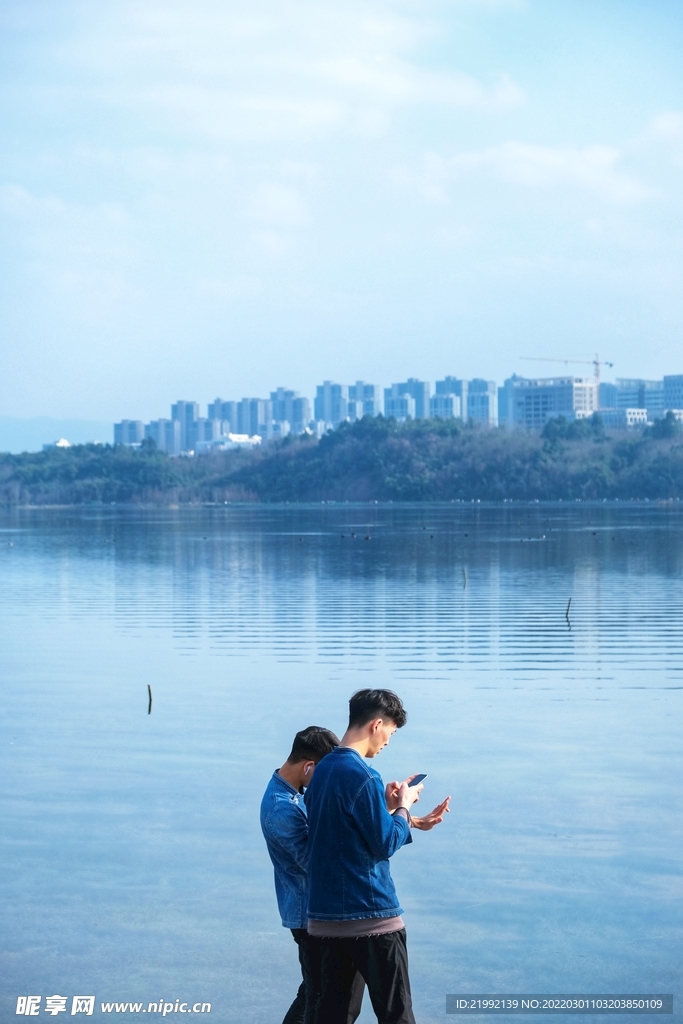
367 462
458 503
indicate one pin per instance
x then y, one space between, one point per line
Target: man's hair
365 705
312 744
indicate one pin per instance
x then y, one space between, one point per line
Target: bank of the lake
371 460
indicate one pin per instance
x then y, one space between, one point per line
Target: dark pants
382 960
302 1010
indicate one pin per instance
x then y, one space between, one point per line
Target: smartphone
417 780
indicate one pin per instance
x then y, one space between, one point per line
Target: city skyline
191 194
19 434
527 402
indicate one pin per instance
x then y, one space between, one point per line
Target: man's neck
357 739
291 773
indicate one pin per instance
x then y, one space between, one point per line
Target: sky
217 198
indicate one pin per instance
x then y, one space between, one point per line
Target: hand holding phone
413 786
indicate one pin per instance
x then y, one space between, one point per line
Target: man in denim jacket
353 907
285 828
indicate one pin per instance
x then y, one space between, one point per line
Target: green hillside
373 459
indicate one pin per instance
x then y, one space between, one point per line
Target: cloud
286 70
241 286
590 168
278 205
668 126
80 254
666 129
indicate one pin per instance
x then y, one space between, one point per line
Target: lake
134 868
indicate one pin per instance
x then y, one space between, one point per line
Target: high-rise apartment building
208 430
289 407
482 402
445 407
165 434
368 396
399 405
506 402
255 416
418 390
458 388
226 412
301 415
129 432
186 414
407 400
331 403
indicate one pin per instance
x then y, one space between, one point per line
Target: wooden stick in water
149 706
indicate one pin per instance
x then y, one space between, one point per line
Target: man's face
381 733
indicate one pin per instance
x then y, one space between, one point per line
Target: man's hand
408 795
391 793
434 817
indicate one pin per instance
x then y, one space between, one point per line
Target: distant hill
371 460
29 435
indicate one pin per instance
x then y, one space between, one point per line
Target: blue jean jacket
352 835
285 828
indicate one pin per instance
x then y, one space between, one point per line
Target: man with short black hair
285 828
353 907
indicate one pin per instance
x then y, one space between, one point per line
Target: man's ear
375 725
308 767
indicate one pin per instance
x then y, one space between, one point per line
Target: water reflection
538 650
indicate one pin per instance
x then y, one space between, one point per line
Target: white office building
624 419
530 403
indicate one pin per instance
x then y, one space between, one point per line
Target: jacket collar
283 784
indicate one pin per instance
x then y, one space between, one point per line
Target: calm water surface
134 868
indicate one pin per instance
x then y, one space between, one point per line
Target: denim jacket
285 829
352 835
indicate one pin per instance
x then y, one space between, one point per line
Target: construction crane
595 363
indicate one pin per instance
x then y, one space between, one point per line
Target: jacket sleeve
383 832
287 828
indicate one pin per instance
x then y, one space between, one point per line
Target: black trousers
382 960
302 1010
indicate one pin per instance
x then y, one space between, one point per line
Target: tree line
373 459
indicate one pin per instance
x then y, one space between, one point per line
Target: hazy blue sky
211 197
